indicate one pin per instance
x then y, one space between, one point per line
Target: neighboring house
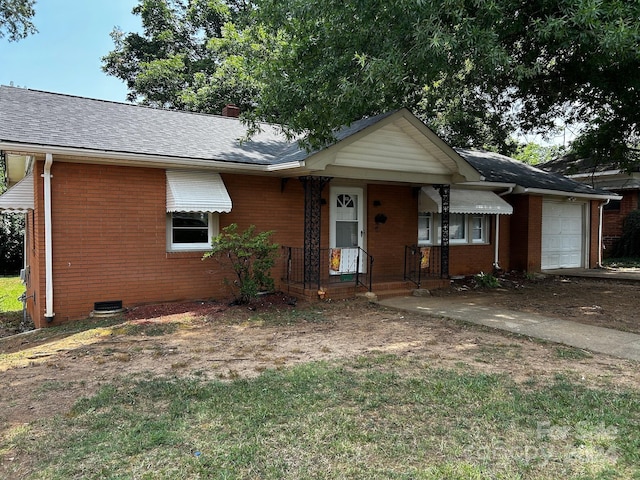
609 177
121 201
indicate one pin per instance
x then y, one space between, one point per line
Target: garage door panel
570 242
571 225
562 234
554 226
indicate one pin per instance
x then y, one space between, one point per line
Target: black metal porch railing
421 263
338 265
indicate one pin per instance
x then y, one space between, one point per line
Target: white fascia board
487 185
559 193
285 166
142 160
595 174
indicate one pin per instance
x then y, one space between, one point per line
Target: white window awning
464 201
196 191
18 198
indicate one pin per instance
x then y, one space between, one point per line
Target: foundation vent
106 308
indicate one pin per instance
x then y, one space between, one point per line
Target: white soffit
464 201
196 191
398 146
17 166
18 198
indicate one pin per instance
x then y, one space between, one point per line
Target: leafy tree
15 19
11 236
251 255
476 71
173 63
533 153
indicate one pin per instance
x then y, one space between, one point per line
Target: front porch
346 273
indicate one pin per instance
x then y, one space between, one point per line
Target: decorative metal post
445 195
313 187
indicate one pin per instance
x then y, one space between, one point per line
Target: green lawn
375 417
10 289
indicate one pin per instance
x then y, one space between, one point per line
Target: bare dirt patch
44 373
604 303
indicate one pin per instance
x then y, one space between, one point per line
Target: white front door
346 230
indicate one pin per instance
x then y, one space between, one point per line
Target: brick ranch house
121 201
605 176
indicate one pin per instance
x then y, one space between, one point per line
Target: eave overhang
82 155
559 193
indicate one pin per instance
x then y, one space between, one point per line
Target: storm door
346 230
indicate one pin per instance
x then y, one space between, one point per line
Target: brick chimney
231 110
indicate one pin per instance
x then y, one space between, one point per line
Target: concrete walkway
596 339
620 275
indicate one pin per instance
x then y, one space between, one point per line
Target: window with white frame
463 229
425 223
191 230
478 228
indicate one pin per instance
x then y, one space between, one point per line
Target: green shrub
251 255
629 243
486 280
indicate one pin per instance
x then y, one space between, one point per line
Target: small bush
251 255
486 280
629 243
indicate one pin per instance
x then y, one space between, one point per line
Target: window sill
186 253
456 244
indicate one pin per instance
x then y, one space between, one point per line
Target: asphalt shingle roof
501 169
570 165
51 119
56 120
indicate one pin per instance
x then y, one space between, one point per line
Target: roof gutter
48 250
561 193
145 160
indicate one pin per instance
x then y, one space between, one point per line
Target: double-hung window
425 228
194 201
463 228
191 230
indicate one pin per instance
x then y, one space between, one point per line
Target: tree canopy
15 19
172 63
476 71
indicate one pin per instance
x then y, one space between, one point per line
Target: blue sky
65 55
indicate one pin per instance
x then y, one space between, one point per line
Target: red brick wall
526 233
613 219
473 259
36 287
594 227
386 241
109 237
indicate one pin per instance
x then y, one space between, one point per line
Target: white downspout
48 250
600 221
496 254
496 262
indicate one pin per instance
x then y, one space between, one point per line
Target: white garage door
562 235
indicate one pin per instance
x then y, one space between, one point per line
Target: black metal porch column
313 187
445 195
